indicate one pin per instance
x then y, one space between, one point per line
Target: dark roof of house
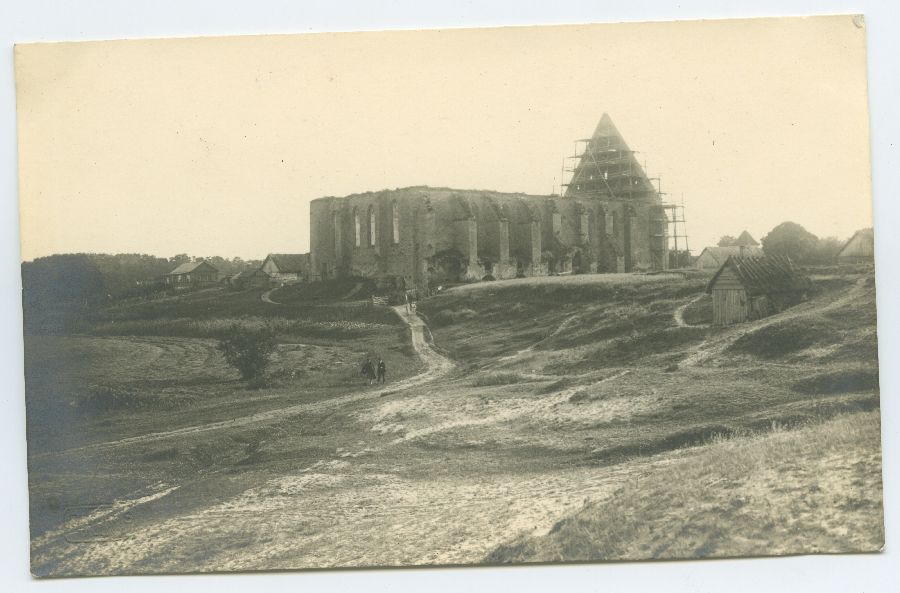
744 240
187 268
290 263
764 275
863 233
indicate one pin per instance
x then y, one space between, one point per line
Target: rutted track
436 366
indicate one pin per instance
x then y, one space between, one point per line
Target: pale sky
215 146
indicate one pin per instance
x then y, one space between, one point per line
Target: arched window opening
336 230
372 234
356 230
395 216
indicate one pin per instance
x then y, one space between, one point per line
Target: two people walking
374 372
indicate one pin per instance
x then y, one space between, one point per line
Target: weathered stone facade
424 236
609 220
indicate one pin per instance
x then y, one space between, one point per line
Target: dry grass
501 378
699 312
815 489
782 339
219 327
480 322
680 463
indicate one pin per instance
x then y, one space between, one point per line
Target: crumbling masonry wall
422 236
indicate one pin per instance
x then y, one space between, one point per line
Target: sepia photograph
449 297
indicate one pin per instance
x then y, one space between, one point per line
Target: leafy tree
181 258
791 239
249 350
726 241
826 250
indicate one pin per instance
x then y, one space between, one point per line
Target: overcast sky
215 146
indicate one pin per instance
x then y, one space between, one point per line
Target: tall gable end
607 168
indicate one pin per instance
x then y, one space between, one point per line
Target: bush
249 350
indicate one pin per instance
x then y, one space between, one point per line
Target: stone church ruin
610 218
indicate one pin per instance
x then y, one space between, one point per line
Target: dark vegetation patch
849 381
785 338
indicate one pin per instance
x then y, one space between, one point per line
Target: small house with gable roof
286 267
193 274
748 288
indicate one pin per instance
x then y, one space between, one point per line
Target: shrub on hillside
249 350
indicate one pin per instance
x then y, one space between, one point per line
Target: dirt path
516 355
436 366
678 315
266 297
714 346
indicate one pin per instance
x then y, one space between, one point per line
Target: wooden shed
747 288
193 274
252 278
859 248
287 267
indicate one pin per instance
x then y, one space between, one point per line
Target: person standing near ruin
381 370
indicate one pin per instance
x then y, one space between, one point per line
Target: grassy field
576 418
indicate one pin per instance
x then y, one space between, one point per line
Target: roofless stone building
610 219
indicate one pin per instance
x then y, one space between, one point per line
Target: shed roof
764 275
867 234
290 263
720 254
249 273
188 267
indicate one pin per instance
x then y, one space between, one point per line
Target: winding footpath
436 366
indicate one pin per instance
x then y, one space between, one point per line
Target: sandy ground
428 470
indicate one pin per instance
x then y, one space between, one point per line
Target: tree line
58 285
794 241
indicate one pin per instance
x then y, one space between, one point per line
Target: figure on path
368 371
381 370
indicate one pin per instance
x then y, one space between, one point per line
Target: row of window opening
372 225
